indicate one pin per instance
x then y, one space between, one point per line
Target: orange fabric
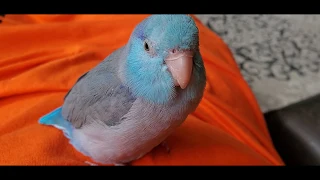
41 57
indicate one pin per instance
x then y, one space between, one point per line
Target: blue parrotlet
138 95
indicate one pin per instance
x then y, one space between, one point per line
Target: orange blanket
41 57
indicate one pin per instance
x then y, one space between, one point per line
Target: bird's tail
55 119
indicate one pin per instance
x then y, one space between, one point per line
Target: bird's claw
166 146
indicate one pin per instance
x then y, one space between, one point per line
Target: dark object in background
295 131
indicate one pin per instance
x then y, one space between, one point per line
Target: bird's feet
90 163
166 146
123 164
119 164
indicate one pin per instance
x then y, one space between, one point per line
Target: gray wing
98 95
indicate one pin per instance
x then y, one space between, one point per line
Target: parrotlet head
163 57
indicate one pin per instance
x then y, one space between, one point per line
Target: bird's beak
180 65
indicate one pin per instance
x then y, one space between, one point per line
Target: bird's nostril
173 51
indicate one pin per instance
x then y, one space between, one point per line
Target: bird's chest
148 125
149 121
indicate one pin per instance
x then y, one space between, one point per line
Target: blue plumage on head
150 43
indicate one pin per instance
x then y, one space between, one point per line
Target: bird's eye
146 46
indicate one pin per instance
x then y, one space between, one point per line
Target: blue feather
55 119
